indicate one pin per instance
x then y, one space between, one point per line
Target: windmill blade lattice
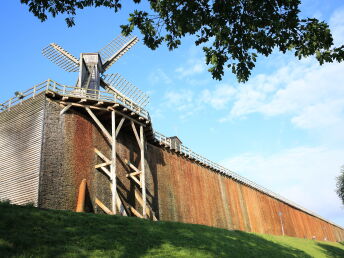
120 85
116 49
61 57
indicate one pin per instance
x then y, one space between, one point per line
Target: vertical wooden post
113 162
143 175
80 207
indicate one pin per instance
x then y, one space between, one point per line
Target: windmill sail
116 49
61 57
119 85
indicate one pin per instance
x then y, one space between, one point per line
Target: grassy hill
31 232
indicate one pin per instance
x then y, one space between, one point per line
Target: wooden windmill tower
91 68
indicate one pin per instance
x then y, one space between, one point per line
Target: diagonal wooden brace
100 125
103 164
103 207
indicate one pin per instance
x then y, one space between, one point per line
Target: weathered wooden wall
191 193
68 157
178 189
21 130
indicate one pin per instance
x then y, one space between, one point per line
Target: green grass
31 232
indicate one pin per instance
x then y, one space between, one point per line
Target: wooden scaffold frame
137 175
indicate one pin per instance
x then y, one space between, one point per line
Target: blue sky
282 129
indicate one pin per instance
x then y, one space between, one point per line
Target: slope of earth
31 232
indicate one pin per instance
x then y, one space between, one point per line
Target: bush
340 184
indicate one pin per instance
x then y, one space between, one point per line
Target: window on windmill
19 95
175 142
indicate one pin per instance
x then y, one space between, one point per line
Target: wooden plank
101 155
65 109
131 165
100 125
101 108
135 212
80 207
149 210
143 176
120 126
113 162
103 207
136 180
103 164
130 118
120 206
136 135
133 174
107 172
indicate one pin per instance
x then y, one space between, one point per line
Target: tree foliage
233 32
340 184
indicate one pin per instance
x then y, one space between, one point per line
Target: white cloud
309 94
312 95
183 101
218 98
159 76
192 67
304 175
330 113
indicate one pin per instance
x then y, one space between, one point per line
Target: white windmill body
91 67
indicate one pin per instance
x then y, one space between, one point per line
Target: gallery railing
71 91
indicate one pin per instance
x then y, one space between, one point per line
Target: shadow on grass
26 231
332 251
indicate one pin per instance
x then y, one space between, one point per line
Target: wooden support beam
135 212
143 176
149 211
103 164
99 103
131 165
100 125
136 180
130 118
120 125
136 135
103 207
65 109
101 155
80 207
113 161
120 206
107 172
133 174
89 106
103 109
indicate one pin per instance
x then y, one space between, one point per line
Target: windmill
91 68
